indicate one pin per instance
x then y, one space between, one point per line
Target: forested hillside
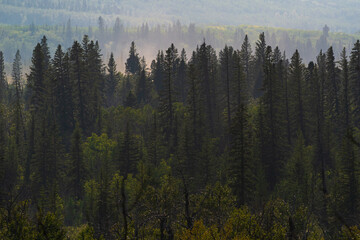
115 37
241 143
342 16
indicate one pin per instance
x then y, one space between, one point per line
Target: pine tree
17 103
111 82
157 71
296 82
79 87
168 96
95 84
206 64
3 81
331 90
345 90
271 115
180 81
347 180
260 50
227 75
240 94
36 82
246 60
46 53
142 88
62 92
194 106
354 75
133 62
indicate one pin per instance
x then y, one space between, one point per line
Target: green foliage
195 157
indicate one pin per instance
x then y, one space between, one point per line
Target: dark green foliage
184 150
111 82
77 170
260 51
133 62
3 81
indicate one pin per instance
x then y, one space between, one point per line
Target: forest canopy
241 143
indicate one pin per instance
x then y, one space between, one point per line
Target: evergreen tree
180 81
206 63
168 96
260 51
17 103
133 62
345 93
3 81
62 92
296 82
36 82
246 60
80 88
227 74
45 52
157 71
142 88
331 89
111 82
354 75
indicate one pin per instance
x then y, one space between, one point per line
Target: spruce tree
79 87
227 75
354 75
246 59
157 71
111 82
132 64
17 102
142 88
260 50
296 82
3 81
331 90
168 96
180 81
62 93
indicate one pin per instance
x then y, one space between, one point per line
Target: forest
115 37
247 142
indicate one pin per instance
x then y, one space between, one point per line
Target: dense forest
244 143
342 16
